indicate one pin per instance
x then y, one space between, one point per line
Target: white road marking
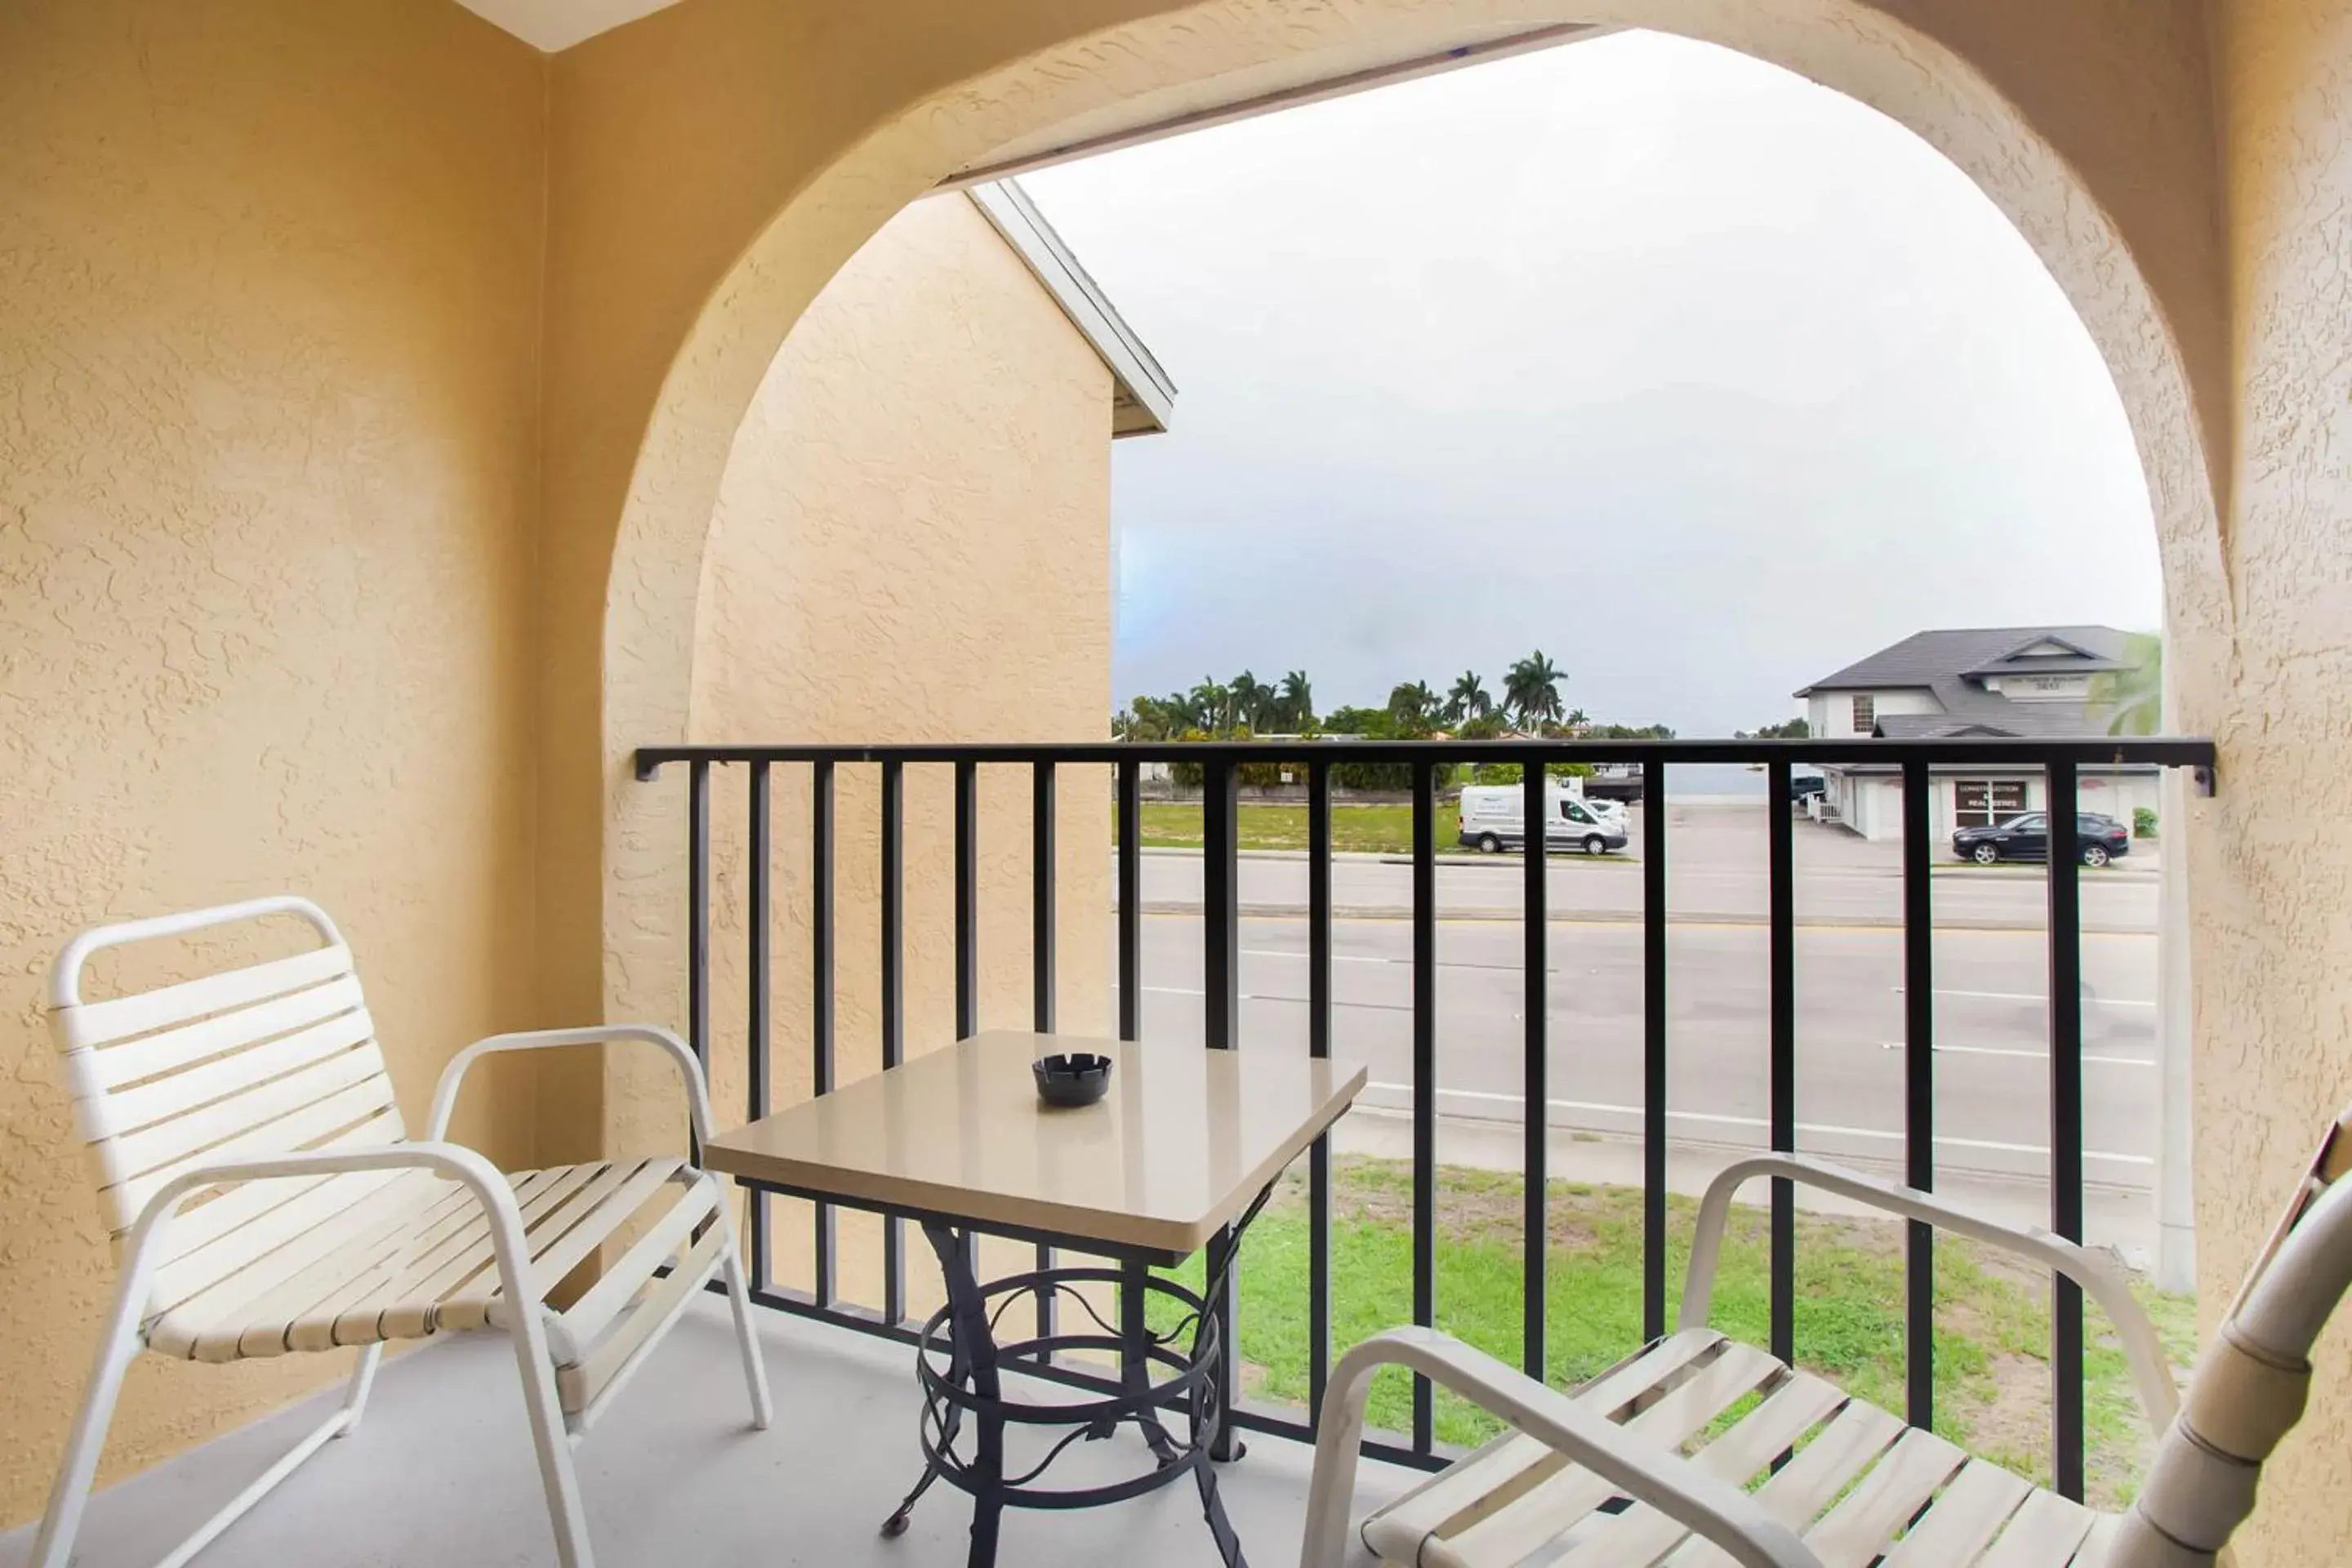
1260 996
1720 1120
2028 996
1336 958
2089 1057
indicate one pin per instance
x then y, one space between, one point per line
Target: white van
1494 820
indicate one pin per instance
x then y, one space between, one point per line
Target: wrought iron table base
959 1363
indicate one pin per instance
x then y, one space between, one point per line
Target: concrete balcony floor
442 1472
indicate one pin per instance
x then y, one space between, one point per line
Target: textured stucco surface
2274 891
268 478
912 543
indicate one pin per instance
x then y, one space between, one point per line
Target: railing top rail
2167 751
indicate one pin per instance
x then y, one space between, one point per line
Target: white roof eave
1145 397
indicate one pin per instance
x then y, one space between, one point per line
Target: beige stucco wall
2274 932
269 309
912 543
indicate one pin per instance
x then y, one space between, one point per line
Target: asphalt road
1992 1064
1716 870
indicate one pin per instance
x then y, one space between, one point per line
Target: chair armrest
697 1091
490 1186
2159 1397
1716 1510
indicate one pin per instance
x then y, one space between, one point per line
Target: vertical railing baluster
1220 904
756 1031
967 927
1041 897
1319 1046
821 1009
697 923
967 899
1918 1095
2066 1464
1425 1083
1781 855
1129 792
1222 1007
1536 1095
1040 965
1653 1047
1131 901
892 1018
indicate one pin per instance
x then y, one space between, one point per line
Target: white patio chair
1653 1439
261 1091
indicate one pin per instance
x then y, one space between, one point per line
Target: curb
1511 862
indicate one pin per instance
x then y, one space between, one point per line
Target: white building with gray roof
2027 682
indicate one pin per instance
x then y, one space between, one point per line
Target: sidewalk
2122 1220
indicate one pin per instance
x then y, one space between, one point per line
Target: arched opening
657 567
665 695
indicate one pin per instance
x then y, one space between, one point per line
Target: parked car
1494 818
1802 785
2097 839
1610 812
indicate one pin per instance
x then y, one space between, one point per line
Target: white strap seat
411 1257
1861 1488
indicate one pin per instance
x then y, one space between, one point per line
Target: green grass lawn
1993 1324
1365 829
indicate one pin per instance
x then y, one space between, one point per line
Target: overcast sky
1703 379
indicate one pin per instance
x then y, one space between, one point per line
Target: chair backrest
238 1063
2252 1381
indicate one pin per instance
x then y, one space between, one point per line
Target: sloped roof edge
1144 398
1928 659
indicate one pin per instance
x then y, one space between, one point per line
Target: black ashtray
1080 1078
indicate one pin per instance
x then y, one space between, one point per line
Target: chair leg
755 1370
550 1437
62 1519
362 1380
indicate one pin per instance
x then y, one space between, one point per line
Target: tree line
1246 707
1530 704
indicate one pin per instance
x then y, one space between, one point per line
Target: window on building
1983 802
1865 714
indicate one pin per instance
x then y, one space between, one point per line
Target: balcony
671 1478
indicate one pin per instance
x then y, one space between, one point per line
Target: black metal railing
1219 762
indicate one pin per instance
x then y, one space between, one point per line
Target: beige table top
1181 1143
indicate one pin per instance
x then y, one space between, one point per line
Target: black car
2097 839
1800 785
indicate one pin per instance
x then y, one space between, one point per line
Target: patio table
1178 1157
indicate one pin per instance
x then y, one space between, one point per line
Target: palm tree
2133 696
1413 702
1468 700
1256 703
1211 704
1531 690
1297 701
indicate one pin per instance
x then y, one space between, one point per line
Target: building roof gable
1143 398
1955 666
